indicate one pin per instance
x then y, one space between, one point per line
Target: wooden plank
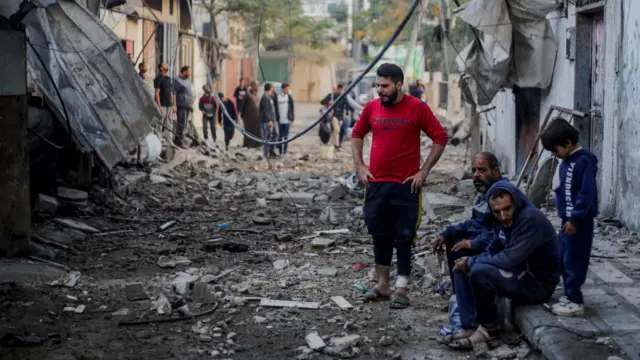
289 303
341 302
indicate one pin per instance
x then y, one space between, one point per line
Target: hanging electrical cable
393 37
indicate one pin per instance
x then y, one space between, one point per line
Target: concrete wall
623 125
311 81
500 130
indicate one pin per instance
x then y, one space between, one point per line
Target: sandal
467 345
399 300
374 295
445 340
461 344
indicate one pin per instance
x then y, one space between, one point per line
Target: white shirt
283 108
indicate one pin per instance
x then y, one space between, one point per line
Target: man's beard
391 99
480 186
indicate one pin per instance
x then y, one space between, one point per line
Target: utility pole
408 61
15 214
444 26
357 41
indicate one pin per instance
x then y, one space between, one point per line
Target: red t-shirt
395 151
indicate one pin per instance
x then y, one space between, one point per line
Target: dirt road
236 239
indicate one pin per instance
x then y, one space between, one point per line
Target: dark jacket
290 115
340 107
478 229
577 196
208 106
267 109
231 109
530 244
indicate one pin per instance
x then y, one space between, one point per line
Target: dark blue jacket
530 244
478 229
577 196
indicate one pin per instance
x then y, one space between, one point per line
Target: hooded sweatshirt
577 196
530 244
478 229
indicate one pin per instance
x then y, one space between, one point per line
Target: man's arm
158 97
434 130
525 239
360 130
291 108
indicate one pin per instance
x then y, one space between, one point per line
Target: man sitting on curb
521 264
471 237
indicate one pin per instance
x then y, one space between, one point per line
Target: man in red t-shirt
394 178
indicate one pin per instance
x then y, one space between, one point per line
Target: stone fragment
202 294
200 199
385 341
280 264
283 237
172 261
135 292
76 225
275 197
328 215
162 305
121 312
259 319
321 198
337 192
260 220
261 203
215 184
300 197
157 179
341 344
322 243
315 342
330 272
46 204
72 195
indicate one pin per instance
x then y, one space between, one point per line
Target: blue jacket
478 229
577 196
530 244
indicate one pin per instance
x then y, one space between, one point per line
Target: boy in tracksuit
207 105
576 199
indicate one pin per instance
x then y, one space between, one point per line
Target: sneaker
568 309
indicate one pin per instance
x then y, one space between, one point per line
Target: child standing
576 199
208 107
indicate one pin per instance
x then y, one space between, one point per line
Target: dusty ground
214 201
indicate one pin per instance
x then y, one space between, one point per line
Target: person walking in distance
183 95
394 178
284 115
240 93
208 106
165 101
250 115
228 127
268 119
340 115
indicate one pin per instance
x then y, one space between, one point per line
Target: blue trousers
392 214
576 252
477 294
346 123
452 256
284 135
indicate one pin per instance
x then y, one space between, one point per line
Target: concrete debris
72 196
315 342
46 205
337 192
261 220
200 199
322 243
341 302
299 197
385 341
339 345
328 215
261 203
321 198
172 261
283 237
121 312
275 197
329 272
504 352
289 304
259 319
135 292
280 264
77 309
67 279
161 305
76 225
157 179
463 188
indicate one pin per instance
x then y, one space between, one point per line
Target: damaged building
580 55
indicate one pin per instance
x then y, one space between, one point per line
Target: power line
393 37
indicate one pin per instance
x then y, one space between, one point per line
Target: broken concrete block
200 199
337 192
322 243
300 197
280 264
341 302
260 220
321 198
259 319
328 215
72 195
161 305
135 292
215 184
261 203
202 294
172 260
46 204
341 344
327 272
314 341
157 179
275 197
283 237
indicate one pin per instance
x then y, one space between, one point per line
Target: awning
109 108
517 46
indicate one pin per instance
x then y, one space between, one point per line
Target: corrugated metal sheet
109 109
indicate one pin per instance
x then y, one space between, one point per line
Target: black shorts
392 211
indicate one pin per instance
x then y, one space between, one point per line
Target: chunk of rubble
72 196
322 243
172 261
77 225
260 220
280 264
261 203
340 345
67 279
337 192
289 304
315 342
200 199
330 272
135 291
157 179
161 305
46 204
328 215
